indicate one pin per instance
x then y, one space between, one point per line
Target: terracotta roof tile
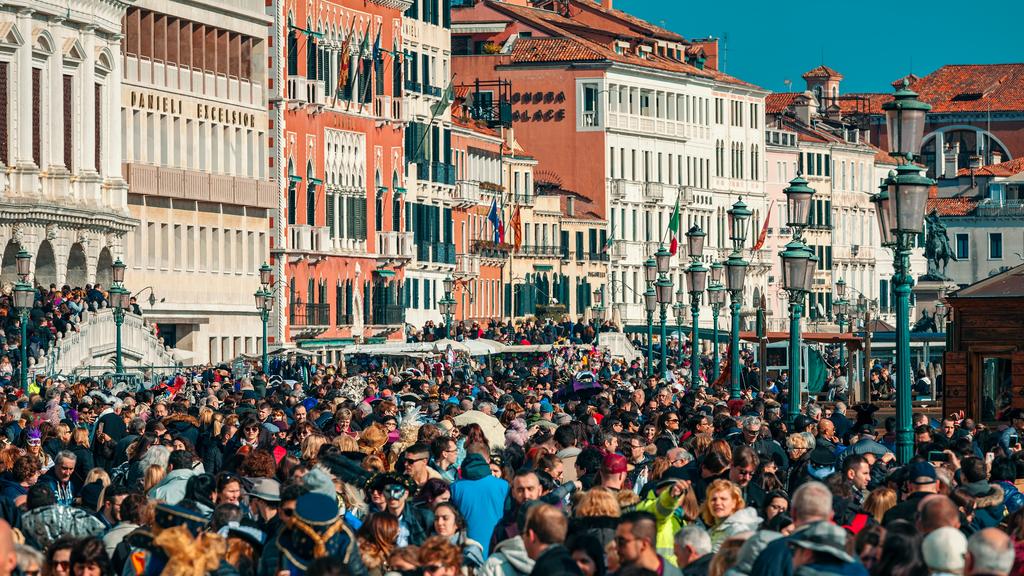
822 72
778 102
552 50
558 27
974 88
1003 169
952 206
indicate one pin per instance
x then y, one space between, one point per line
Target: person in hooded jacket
978 494
479 496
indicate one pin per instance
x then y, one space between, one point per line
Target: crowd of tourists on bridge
567 462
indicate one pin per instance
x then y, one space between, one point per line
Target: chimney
997 157
950 159
802 105
570 206
607 4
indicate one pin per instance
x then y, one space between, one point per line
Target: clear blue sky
770 42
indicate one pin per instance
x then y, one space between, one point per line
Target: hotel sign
141 100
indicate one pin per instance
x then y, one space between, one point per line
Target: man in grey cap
264 501
878 458
820 548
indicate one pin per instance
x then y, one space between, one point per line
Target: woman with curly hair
725 513
440 557
597 513
377 537
258 464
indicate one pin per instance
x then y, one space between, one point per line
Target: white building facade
194 145
62 195
430 166
677 138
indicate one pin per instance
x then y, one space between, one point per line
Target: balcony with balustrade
654 192
467 265
539 251
395 246
467 193
306 315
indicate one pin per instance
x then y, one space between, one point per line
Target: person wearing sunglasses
58 557
439 557
414 521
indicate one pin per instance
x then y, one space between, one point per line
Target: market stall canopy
288 351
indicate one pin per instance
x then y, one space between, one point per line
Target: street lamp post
696 278
905 206
664 289
447 305
24 298
650 305
716 296
599 312
797 275
264 304
680 309
841 306
735 277
119 300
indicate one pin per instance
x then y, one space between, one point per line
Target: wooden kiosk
984 361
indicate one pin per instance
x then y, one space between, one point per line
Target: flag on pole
364 46
673 228
515 224
441 105
764 228
495 221
343 63
376 44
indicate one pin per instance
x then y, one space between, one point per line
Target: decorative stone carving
18 233
51 231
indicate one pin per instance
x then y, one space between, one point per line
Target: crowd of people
56 310
564 463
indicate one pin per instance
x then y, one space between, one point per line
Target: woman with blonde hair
310 448
879 501
153 476
97 475
725 513
597 513
81 448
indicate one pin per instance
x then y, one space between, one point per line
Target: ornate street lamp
599 312
264 305
24 264
24 299
117 271
680 309
904 211
735 277
447 304
118 297
841 306
716 296
798 263
696 278
650 304
663 286
120 301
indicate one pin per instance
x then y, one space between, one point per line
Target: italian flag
673 228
